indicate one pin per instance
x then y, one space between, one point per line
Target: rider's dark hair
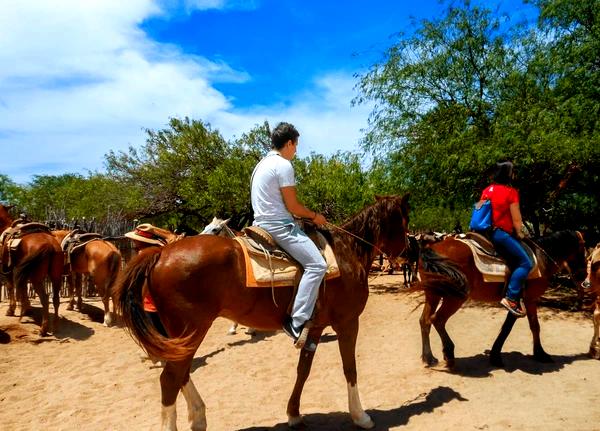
282 133
503 173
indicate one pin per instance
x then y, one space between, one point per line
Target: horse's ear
224 222
214 220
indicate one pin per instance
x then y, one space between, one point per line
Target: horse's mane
367 224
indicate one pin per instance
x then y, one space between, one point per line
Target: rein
391 260
539 247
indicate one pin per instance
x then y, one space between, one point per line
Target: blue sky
81 78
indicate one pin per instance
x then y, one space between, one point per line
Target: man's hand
319 219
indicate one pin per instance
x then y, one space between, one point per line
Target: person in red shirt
507 232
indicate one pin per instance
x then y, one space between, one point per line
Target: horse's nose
586 284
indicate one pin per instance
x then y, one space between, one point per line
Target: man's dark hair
503 173
283 133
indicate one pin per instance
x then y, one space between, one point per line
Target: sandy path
91 377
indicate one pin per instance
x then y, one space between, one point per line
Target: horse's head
214 227
567 247
393 224
577 260
5 218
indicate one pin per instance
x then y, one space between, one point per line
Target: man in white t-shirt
274 201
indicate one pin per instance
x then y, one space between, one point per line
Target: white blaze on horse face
214 227
168 418
358 415
195 405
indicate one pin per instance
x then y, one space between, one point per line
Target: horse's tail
443 277
24 268
128 300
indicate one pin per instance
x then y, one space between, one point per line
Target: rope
391 260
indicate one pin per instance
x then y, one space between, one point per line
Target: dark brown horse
99 259
197 279
38 256
449 276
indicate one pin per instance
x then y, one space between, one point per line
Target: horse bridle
391 260
581 241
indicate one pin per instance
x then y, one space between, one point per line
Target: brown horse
200 278
594 280
38 256
99 259
449 276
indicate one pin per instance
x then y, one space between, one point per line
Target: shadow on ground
384 419
479 366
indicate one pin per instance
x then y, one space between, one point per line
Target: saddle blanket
264 270
493 268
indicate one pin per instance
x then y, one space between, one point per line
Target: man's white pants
288 235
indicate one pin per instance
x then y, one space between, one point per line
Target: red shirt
502 197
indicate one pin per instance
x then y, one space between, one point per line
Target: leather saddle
76 240
491 265
11 238
267 265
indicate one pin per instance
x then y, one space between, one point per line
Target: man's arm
290 199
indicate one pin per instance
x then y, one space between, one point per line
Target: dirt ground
89 377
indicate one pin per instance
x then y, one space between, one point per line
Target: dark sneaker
512 306
291 330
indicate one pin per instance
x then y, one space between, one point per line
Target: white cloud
323 115
78 79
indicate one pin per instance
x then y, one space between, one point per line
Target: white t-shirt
269 176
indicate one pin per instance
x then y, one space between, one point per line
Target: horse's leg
233 329
302 371
78 289
101 281
347 343
12 301
56 282
534 324
495 357
595 344
40 289
195 405
71 290
450 305
431 304
175 377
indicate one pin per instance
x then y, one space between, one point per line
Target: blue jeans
288 235
518 261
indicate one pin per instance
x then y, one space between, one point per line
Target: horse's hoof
594 353
10 312
108 321
295 421
364 422
231 332
70 307
250 331
450 363
430 361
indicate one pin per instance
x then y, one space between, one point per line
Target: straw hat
147 233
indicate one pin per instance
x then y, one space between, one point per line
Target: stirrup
301 341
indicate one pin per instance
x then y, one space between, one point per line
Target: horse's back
201 253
